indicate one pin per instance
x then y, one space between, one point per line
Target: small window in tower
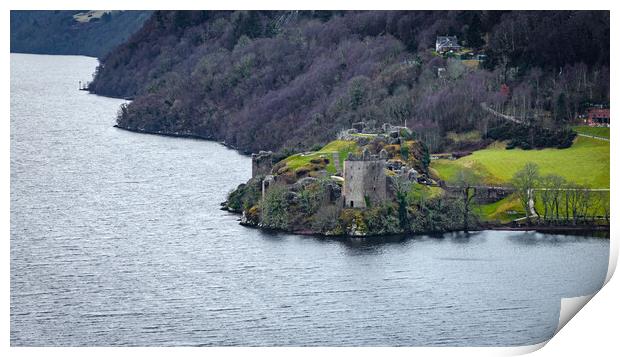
351 204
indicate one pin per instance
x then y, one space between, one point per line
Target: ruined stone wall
364 178
267 183
486 195
262 163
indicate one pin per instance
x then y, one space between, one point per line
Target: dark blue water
117 239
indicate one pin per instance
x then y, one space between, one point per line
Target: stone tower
262 163
364 180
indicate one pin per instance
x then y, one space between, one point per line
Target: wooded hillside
288 80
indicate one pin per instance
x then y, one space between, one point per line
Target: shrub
404 152
325 219
534 136
319 161
302 171
252 215
382 219
406 134
352 220
275 208
311 197
437 214
245 195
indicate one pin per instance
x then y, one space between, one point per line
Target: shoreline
575 230
183 135
590 232
549 229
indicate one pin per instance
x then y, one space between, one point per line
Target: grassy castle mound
303 193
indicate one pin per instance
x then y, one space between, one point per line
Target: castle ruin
365 182
262 163
364 178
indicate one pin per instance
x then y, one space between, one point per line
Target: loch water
117 239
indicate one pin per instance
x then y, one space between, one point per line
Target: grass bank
594 131
586 162
341 147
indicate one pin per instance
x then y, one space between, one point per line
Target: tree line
562 201
545 199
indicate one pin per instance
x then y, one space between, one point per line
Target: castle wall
262 163
267 183
364 178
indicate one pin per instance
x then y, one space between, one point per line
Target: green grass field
586 162
594 131
417 191
342 147
503 211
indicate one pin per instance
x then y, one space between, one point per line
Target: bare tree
591 203
546 196
574 201
585 203
466 182
550 189
524 181
566 200
555 184
604 204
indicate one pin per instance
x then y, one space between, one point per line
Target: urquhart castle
373 160
364 178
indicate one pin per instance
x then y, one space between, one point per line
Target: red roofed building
504 90
597 117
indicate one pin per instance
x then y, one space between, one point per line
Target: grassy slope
594 131
586 162
342 147
504 211
418 190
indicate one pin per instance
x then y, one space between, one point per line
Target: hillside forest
291 80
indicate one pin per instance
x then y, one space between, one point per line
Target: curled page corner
522 350
613 259
569 307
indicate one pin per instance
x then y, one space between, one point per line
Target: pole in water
80 85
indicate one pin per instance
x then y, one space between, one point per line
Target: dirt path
500 115
593 137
